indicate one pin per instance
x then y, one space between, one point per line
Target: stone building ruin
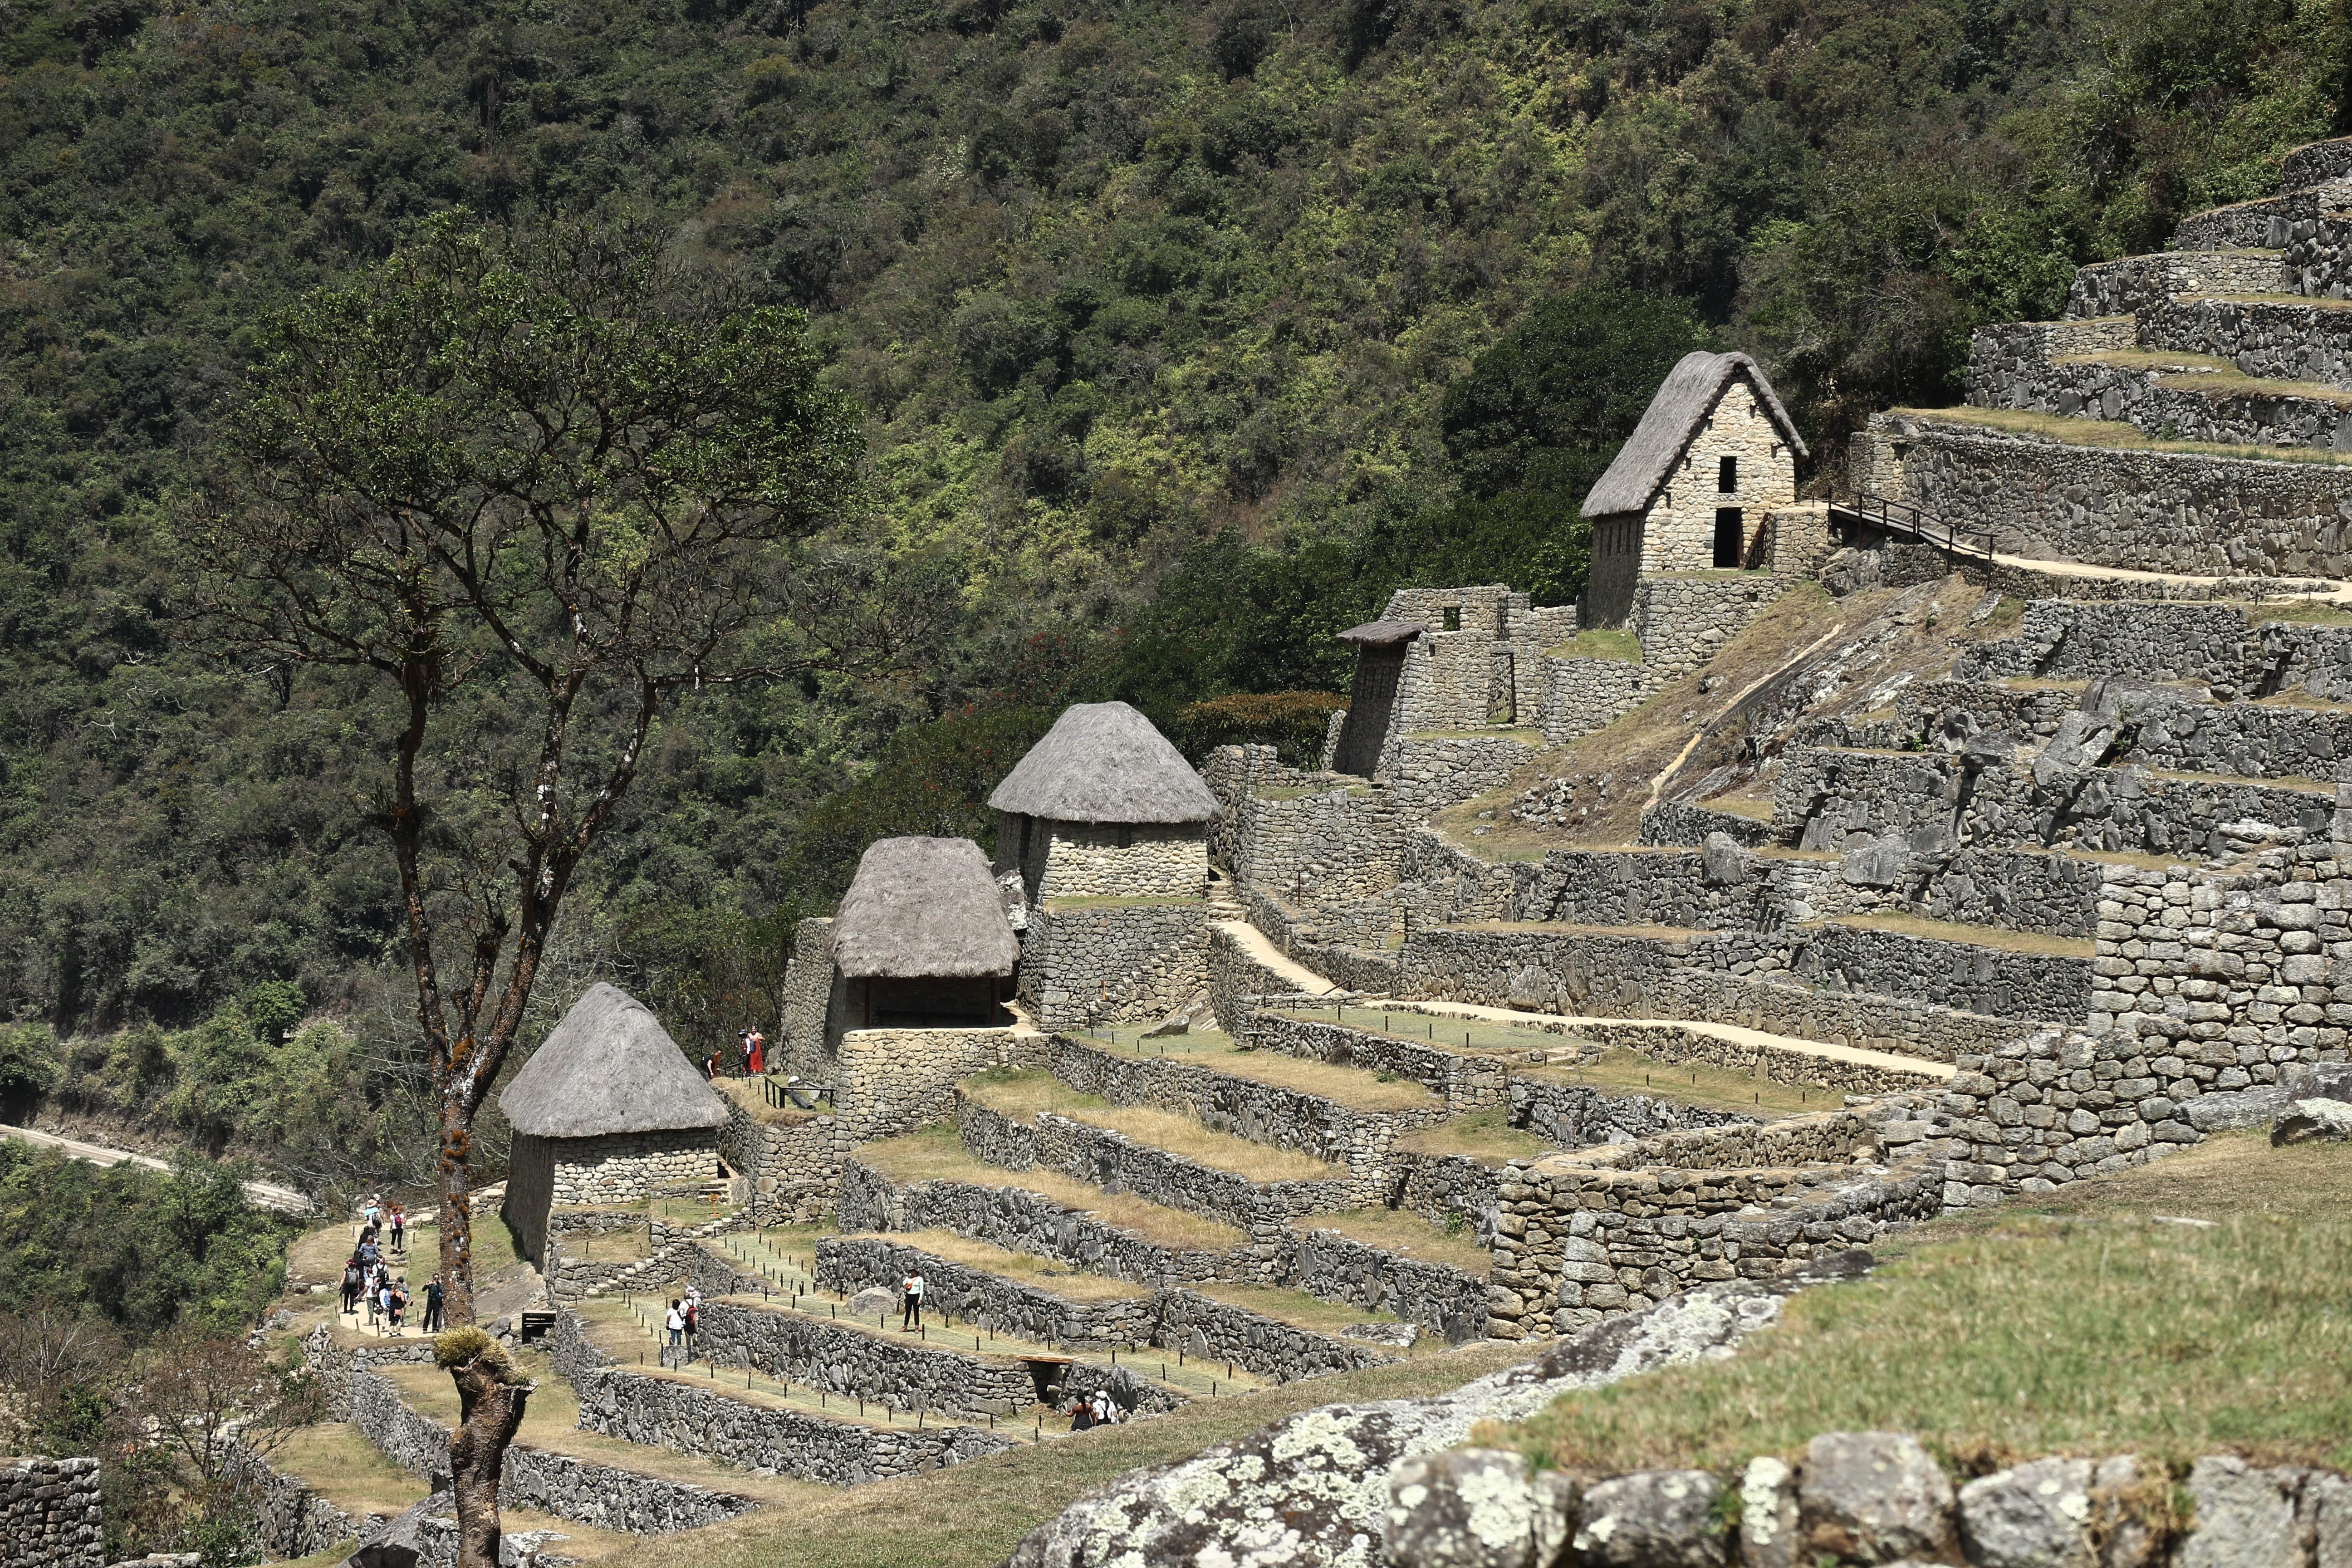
605 1111
1689 491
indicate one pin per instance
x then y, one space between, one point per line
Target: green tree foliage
138 1248
1148 311
1293 722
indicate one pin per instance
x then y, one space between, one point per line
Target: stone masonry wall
2167 512
2179 404
1684 622
1581 695
791 1167
1580 1240
289 1520
626 1167
1338 1268
799 1045
49 1513
863 1362
1209 1330
894 1080
1087 859
2133 283
1464 1082
2278 339
1088 963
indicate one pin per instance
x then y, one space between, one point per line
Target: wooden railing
1902 518
780 1099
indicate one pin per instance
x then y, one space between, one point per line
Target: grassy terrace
1023 1094
2208 374
1407 1234
1601 642
1022 1267
1484 1135
1215 1050
972 1515
934 1155
747 1093
2193 1305
1301 1310
1975 936
1461 1035
1689 1083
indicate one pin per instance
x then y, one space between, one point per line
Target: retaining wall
49 1513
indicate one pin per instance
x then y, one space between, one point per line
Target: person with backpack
676 1323
399 1230
355 1279
433 1324
1082 1417
693 1321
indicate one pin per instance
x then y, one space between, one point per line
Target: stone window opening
1452 617
1726 475
1729 536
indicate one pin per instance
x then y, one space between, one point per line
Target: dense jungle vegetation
1181 334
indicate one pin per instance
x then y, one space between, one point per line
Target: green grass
1602 642
2078 1323
1626 1071
972 1515
1484 1135
1403 1231
934 1153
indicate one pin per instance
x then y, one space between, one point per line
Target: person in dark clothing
354 1277
433 1306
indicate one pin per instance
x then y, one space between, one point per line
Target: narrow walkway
2334 590
268 1194
1736 1034
1254 942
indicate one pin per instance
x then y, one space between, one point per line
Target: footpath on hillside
268 1194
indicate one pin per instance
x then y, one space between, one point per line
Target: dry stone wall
1357 1140
1206 1329
800 1046
1116 1163
1578 1239
1683 621
1442 1188
1465 1082
790 1165
1976 979
626 1167
1087 859
1338 1268
851 1263
2157 511
1088 963
49 1513
2054 1107
2133 283
863 1362
288 1519
890 1081
1581 695
2175 404
1567 1114
2280 340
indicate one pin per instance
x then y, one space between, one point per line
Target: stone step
2132 283
2258 224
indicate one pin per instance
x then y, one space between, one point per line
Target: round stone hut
1104 806
604 1111
922 941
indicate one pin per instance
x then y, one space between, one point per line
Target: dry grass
1023 1094
934 1155
1975 936
1216 1051
1022 1267
1715 1089
339 1463
1602 642
2081 1322
972 1516
1485 1136
1300 1310
2303 612
1408 1235
2208 374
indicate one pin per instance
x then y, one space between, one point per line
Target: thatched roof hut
609 1068
1382 634
1105 763
1684 401
923 907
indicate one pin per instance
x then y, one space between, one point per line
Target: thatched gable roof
1104 761
609 1066
1382 634
923 908
1686 397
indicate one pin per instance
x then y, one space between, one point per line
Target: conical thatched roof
609 1066
1687 396
923 907
1103 762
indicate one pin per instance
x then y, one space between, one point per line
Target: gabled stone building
1689 489
605 1111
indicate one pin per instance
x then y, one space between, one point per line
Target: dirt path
1254 942
268 1194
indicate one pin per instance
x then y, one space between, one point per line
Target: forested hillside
1181 335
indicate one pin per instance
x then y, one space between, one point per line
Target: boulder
2327 1518
1722 862
1194 1014
2256 1107
1463 1508
2312 1121
1874 1497
874 1301
1878 863
1403 1336
2033 1516
2244 1516
1652 1519
2317 1080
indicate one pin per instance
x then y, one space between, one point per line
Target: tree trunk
492 1411
456 1215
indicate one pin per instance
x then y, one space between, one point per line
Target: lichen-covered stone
1652 1519
2033 1516
1462 1507
1874 1497
2244 1516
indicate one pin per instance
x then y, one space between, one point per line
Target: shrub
1292 722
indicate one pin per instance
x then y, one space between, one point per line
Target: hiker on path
693 1320
1082 1415
910 1291
1106 1411
433 1306
755 1059
676 1323
355 1277
399 1229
